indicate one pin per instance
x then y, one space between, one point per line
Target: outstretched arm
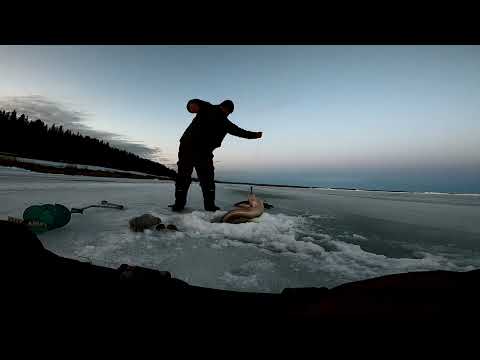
234 130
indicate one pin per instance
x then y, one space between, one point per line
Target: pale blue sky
323 109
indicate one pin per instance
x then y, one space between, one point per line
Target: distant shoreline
270 185
347 189
70 170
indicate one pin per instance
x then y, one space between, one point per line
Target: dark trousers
202 161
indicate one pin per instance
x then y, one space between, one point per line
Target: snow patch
239 281
321 217
359 237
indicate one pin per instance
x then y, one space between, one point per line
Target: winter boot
180 200
209 200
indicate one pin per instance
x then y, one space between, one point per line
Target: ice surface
312 237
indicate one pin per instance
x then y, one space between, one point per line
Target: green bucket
46 217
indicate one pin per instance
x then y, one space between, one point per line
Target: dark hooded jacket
209 128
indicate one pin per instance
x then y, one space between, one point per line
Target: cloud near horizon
55 112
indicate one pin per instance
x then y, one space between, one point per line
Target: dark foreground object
41 286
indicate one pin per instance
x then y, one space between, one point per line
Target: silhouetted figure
203 135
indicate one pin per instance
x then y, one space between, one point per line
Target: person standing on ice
205 133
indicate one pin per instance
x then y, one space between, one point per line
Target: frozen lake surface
312 237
